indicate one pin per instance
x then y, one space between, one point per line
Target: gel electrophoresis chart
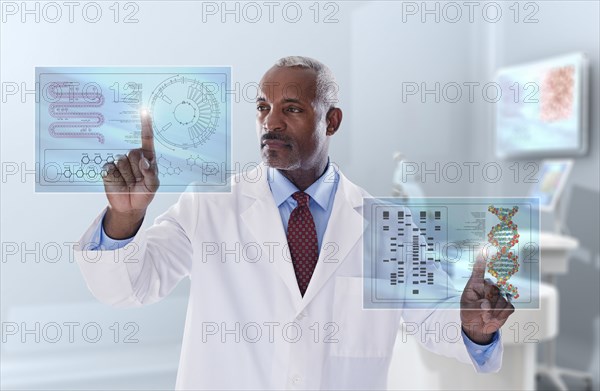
420 253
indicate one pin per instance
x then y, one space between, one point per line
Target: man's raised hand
130 183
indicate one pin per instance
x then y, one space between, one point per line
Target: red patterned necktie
302 240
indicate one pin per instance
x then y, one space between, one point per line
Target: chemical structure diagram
89 168
194 161
202 165
165 167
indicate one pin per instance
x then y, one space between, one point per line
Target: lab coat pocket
361 332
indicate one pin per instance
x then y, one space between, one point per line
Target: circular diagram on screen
185 112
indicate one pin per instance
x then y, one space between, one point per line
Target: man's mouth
274 143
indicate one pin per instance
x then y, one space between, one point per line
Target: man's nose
273 121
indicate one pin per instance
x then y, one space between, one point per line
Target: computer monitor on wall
550 187
543 108
551 183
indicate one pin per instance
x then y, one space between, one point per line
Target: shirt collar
320 191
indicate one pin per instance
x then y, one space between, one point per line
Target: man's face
290 125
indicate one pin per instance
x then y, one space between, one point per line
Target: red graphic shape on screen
557 94
67 106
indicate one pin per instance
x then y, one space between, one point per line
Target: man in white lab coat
275 265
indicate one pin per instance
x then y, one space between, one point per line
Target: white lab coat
247 326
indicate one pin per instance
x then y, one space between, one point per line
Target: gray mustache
278 137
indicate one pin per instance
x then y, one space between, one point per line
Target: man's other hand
483 310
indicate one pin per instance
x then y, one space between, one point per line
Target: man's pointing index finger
147 136
478 269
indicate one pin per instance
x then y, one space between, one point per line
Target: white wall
386 53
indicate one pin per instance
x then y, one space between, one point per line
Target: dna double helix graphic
504 263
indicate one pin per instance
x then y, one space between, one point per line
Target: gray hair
327 88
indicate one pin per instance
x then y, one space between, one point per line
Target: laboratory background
435 97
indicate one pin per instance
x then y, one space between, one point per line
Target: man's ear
334 120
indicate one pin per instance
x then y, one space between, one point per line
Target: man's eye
294 109
261 108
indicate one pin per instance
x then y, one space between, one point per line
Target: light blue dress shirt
322 194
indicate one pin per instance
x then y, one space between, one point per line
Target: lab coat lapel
263 220
344 229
